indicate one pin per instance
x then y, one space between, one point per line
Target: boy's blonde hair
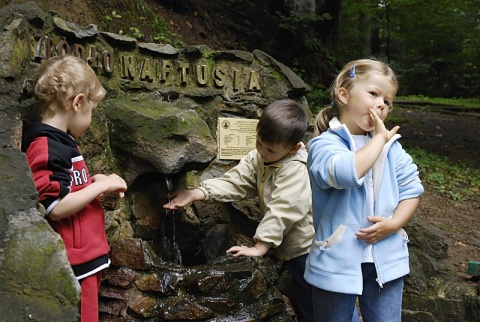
282 122
346 78
59 79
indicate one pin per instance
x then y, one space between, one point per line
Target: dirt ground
456 137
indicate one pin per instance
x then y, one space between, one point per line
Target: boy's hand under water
181 198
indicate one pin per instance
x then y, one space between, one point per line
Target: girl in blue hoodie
365 189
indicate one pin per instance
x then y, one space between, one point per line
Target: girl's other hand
381 228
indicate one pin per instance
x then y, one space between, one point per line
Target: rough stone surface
37 282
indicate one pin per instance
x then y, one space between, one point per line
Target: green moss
21 52
155 120
38 263
277 74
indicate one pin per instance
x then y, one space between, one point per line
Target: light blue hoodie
339 211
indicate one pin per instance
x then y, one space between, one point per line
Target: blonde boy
67 91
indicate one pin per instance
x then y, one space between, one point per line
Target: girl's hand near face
380 128
366 156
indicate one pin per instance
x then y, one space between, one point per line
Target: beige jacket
285 196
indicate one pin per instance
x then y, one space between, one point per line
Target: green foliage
434 46
161 32
317 99
116 15
457 181
160 27
395 118
302 25
136 32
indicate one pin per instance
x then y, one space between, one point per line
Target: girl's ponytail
323 118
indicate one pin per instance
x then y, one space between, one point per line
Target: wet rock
111 310
186 308
122 277
113 293
214 283
129 253
143 305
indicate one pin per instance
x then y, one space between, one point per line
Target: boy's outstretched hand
182 198
259 249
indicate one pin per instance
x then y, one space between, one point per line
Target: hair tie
352 71
333 104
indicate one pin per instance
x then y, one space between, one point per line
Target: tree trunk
304 7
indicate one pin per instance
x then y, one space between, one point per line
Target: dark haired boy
276 172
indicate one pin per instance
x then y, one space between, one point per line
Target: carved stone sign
161 71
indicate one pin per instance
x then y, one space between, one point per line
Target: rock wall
158 123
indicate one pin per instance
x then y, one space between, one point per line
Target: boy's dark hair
282 122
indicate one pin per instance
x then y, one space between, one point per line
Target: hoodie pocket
340 253
332 240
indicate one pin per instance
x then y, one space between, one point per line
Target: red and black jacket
58 168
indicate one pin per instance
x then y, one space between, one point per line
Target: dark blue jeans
303 292
376 304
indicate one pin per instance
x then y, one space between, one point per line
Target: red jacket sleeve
51 171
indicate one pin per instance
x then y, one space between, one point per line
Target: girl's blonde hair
346 78
59 79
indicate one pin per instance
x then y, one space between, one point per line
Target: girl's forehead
378 77
378 80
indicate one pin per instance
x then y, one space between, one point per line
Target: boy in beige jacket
276 172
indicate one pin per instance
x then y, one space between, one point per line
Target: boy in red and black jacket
67 91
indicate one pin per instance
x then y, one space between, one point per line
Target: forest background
434 46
